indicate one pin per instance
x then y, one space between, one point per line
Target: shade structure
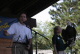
12 8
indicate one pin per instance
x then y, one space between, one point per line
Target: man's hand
6 33
55 50
28 47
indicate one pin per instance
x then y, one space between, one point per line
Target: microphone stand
36 38
40 34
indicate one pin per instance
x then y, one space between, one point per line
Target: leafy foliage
44 29
68 10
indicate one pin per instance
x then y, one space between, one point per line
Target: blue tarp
5 23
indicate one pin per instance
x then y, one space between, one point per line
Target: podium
4 43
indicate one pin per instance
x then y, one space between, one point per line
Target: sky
44 15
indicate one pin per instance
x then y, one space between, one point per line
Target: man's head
23 17
57 30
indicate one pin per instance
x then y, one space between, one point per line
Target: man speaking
21 34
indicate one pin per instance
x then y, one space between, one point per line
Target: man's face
23 18
59 30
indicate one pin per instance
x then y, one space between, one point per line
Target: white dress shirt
20 32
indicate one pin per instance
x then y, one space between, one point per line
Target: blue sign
5 23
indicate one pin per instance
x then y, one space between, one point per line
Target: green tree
45 29
67 10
